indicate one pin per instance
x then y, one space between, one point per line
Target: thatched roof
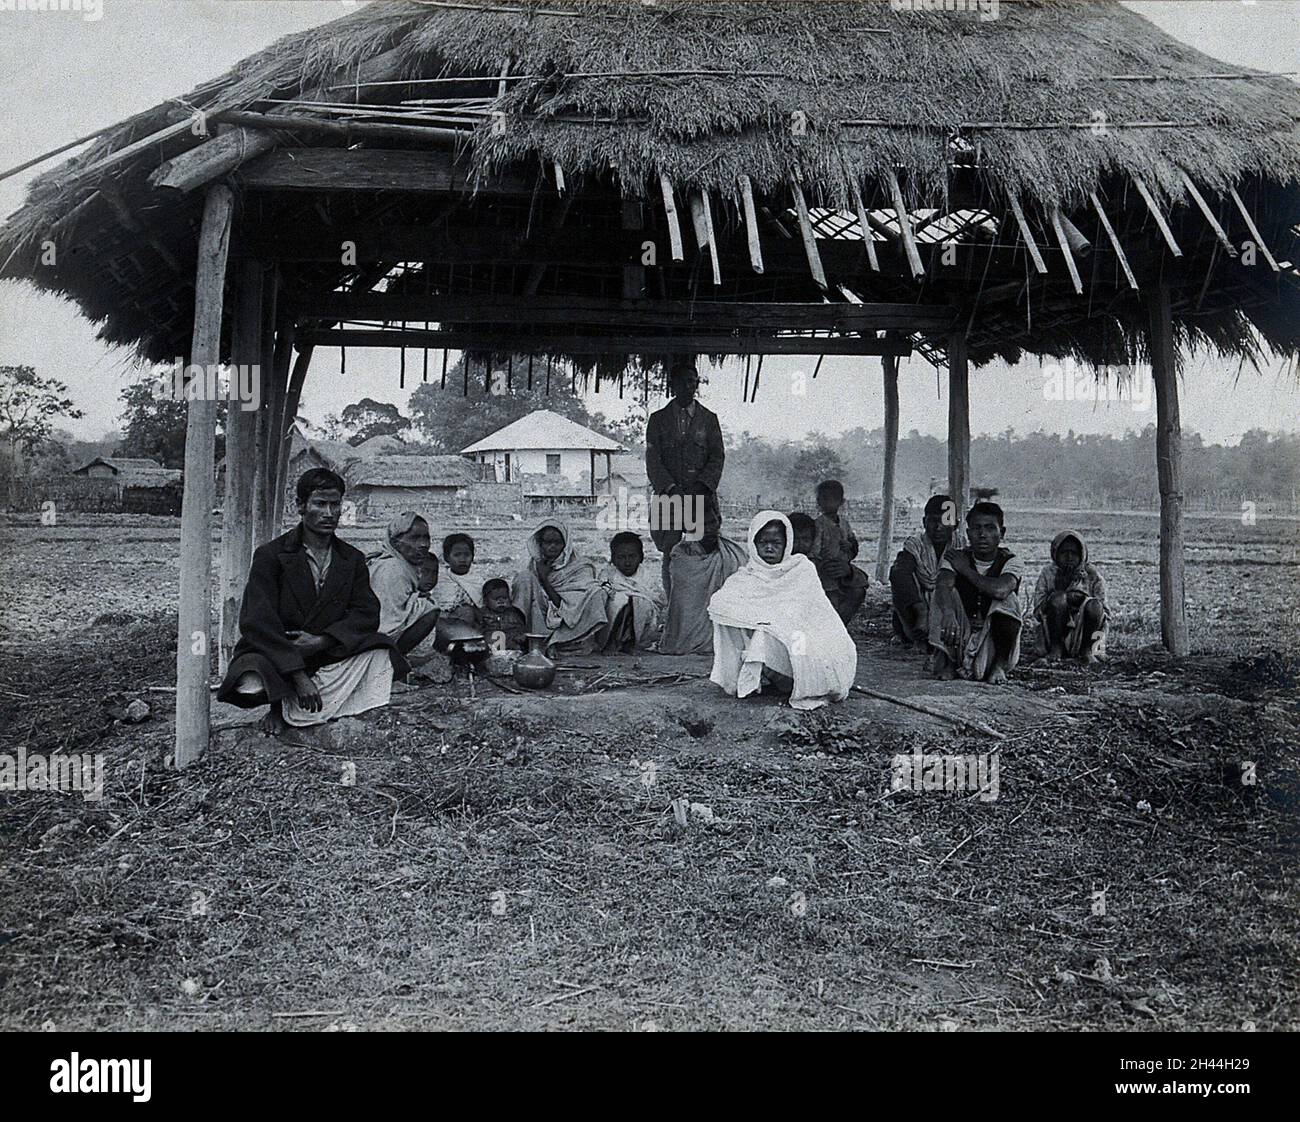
411 471
835 96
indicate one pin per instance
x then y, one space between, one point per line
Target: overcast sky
67 76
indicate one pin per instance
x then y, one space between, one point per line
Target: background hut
610 181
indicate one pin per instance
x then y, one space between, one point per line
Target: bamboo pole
241 460
1165 231
958 425
868 241
194 616
1114 240
751 223
809 237
1064 243
1219 231
706 209
1169 439
674 224
1027 234
889 366
1254 232
905 227
292 401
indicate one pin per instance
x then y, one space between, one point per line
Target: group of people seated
325 629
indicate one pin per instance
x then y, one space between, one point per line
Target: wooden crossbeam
674 343
1114 240
1165 231
371 169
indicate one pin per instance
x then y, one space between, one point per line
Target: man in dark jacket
684 458
309 639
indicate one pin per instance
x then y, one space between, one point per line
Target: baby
504 625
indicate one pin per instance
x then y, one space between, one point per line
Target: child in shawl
636 602
1070 602
504 625
560 594
975 615
834 550
403 575
774 627
459 594
915 571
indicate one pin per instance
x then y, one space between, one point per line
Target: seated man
309 639
1070 602
834 550
636 602
915 571
975 617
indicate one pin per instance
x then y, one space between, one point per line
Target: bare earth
494 859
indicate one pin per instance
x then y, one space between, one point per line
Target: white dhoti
355 685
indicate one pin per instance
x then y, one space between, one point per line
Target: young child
636 601
834 550
975 617
915 571
1070 602
457 593
504 625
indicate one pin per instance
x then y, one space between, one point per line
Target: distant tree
29 405
811 466
153 426
452 419
365 419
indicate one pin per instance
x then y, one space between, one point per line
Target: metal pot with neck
534 671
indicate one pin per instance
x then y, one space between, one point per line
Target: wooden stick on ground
965 722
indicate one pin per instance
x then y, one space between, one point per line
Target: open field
511 860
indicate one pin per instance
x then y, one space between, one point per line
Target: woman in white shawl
403 575
772 624
560 593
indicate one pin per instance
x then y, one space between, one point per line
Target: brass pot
535 671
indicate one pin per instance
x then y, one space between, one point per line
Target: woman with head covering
403 575
1070 602
560 593
773 626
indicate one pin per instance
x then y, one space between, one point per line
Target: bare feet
1056 653
997 675
274 724
944 671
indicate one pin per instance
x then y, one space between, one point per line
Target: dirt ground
632 850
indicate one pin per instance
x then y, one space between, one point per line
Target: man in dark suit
309 639
684 457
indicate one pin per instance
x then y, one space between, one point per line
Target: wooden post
958 426
241 461
593 472
281 358
194 618
1169 471
292 401
889 364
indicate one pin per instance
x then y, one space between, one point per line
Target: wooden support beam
905 227
292 400
809 238
372 169
1169 441
1254 232
885 549
674 224
751 223
1034 255
674 343
1165 231
958 426
100 168
868 241
1203 206
347 130
264 483
241 460
1114 240
194 616
1064 243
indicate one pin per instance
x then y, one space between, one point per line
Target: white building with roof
549 454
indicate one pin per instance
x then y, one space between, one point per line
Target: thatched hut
615 181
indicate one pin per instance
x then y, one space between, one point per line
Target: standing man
684 457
